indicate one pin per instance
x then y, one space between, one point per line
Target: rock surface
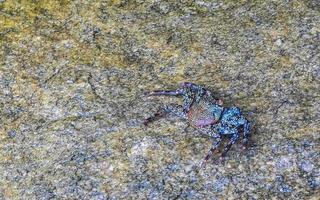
72 78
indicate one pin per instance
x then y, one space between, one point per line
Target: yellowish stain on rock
22 22
281 63
118 165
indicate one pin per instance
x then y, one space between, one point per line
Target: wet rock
72 107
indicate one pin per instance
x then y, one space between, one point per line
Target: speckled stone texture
72 78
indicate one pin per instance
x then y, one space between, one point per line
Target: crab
206 114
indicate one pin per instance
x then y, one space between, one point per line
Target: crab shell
203 114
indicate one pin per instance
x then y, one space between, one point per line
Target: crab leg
246 132
210 152
230 143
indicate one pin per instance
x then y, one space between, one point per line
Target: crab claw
164 92
147 94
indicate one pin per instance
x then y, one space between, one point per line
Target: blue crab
206 113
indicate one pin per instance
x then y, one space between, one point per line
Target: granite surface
72 78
